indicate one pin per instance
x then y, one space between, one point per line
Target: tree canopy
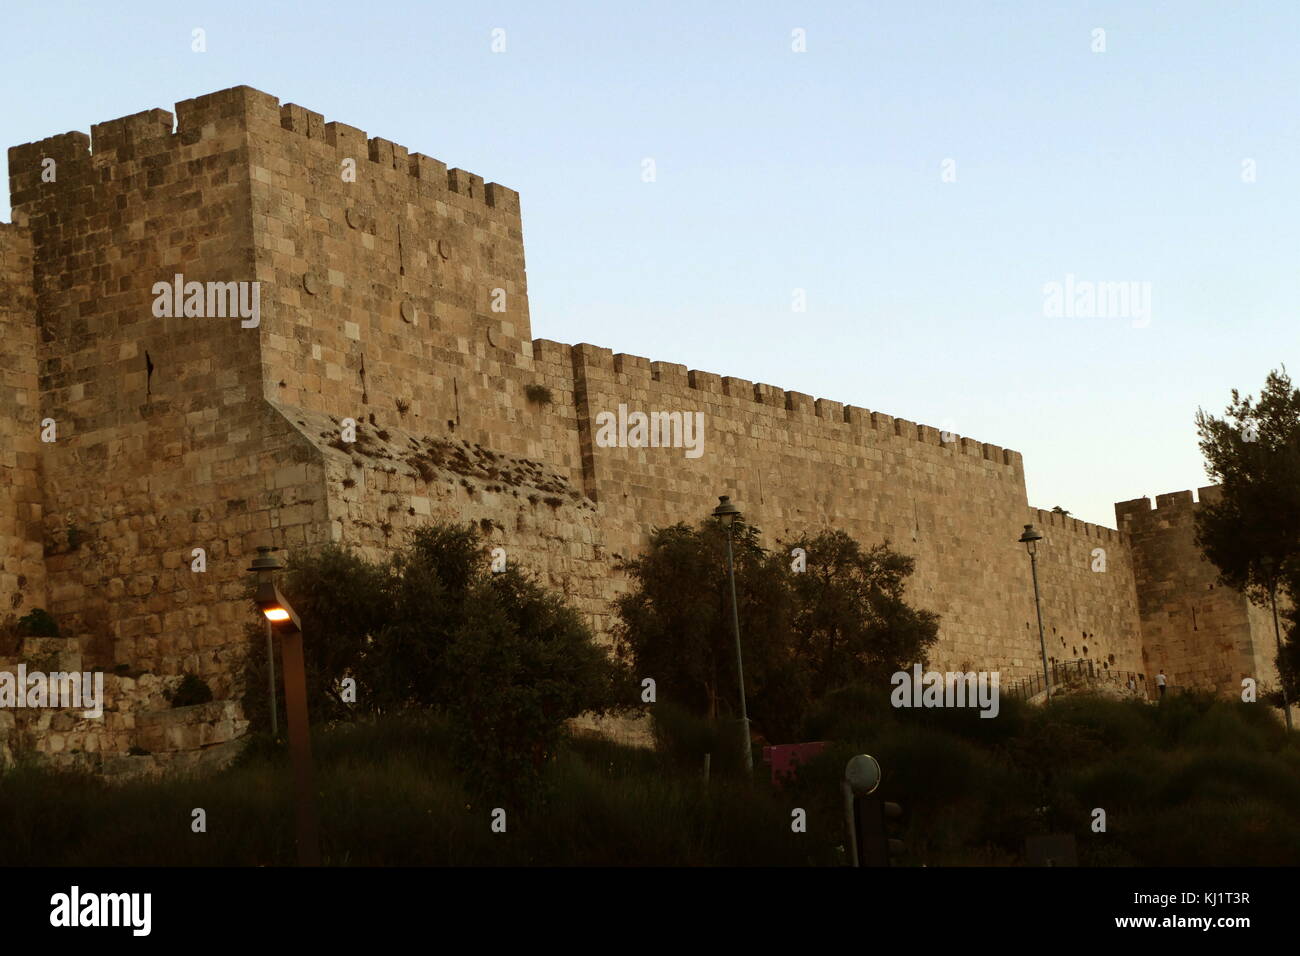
1252 533
830 615
433 628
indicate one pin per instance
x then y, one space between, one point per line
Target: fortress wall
1198 630
1087 612
148 467
391 481
377 301
794 464
379 308
383 270
22 565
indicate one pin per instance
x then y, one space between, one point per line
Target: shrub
37 623
433 630
523 663
683 738
1114 724
538 394
190 691
847 713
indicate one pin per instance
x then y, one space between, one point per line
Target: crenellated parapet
348 141
598 364
1084 529
122 139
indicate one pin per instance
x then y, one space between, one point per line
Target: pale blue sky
821 171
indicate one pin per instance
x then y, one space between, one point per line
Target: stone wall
164 443
22 565
393 293
1088 592
1201 633
138 733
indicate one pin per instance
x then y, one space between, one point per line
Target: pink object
784 759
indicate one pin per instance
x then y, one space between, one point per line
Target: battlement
601 363
1051 519
1167 505
195 119
353 142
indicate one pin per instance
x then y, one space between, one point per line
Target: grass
1193 782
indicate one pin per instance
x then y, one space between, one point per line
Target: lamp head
1030 538
726 512
265 560
268 597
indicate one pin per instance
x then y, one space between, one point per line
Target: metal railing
1084 671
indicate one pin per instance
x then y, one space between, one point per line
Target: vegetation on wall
190 691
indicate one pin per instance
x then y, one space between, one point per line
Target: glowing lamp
268 597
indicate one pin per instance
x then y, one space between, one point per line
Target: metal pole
1042 641
295 706
1277 632
740 666
851 822
270 666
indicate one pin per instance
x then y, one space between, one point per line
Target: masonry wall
794 463
22 566
1200 632
393 293
381 273
383 270
163 443
1089 594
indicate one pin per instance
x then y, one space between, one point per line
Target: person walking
1160 683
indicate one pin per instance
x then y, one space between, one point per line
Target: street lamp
1030 539
727 513
1266 565
280 615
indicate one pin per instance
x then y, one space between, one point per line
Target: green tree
851 622
1252 533
428 586
676 621
341 598
803 633
523 663
432 628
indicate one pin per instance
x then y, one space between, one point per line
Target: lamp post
282 618
727 513
1030 539
1266 565
270 672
